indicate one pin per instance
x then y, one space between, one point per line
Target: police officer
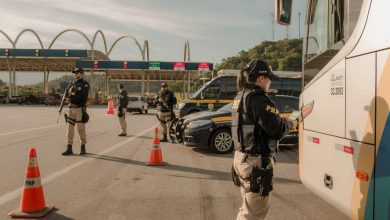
256 128
77 94
165 101
122 109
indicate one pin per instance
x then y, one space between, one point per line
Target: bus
344 143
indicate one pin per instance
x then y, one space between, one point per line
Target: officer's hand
295 123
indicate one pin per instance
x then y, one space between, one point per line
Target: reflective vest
246 132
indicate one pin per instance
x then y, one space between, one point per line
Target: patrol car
212 95
212 128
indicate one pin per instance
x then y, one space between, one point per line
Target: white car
137 104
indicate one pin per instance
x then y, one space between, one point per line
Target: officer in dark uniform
122 109
77 94
256 128
165 101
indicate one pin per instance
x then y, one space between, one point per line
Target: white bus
344 143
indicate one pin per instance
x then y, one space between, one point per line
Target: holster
235 177
261 180
84 116
66 118
120 113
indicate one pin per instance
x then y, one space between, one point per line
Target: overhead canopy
61 60
135 70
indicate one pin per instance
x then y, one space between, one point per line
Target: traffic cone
32 204
155 152
110 107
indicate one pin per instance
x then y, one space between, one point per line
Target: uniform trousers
74 117
254 206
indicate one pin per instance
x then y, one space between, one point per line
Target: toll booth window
212 92
230 91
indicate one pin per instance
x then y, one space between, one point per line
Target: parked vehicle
222 90
31 99
15 99
3 99
53 100
137 104
212 129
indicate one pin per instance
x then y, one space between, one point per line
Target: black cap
121 86
164 85
257 67
78 70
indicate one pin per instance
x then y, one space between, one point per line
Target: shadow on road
212 174
55 216
211 153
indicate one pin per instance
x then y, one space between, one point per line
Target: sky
215 29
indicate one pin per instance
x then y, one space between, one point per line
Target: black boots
68 150
82 150
164 139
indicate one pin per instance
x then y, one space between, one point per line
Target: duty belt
74 106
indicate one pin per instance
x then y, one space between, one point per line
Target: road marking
31 129
17 192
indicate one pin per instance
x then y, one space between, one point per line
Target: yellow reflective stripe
224 118
32 182
208 101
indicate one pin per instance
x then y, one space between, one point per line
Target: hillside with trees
283 55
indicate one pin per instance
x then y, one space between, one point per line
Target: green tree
281 55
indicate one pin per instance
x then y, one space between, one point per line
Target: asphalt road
113 182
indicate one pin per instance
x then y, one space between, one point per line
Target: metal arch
8 38
28 30
146 50
130 37
186 51
104 40
71 30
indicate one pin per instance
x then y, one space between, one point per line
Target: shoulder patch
271 109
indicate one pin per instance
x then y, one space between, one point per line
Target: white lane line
17 192
31 129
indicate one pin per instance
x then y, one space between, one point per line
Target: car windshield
133 99
200 90
226 108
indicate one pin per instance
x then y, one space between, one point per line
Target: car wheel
221 141
140 111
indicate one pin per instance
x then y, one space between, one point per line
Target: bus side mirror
283 11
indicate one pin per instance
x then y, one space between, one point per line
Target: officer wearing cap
256 128
77 93
122 109
165 101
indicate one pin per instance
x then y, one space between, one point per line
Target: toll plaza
65 60
146 71
42 60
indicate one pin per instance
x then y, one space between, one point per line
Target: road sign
203 67
154 65
179 66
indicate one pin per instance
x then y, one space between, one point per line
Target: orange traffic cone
32 204
110 107
155 152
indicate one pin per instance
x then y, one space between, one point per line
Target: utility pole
299 25
273 26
